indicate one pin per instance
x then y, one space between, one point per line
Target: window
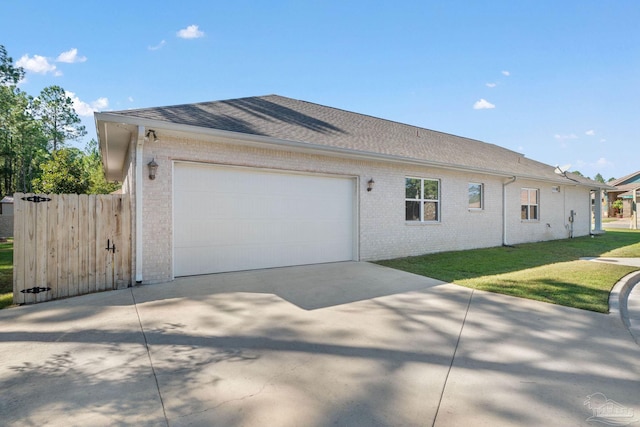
476 196
529 204
422 199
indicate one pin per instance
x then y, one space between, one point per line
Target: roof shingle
308 123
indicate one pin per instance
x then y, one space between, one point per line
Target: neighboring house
6 206
271 181
6 217
624 190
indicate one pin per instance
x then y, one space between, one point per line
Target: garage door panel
247 218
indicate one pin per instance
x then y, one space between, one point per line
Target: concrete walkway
349 344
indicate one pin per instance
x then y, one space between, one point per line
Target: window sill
415 223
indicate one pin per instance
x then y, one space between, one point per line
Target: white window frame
422 200
473 208
529 204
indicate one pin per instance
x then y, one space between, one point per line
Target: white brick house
271 181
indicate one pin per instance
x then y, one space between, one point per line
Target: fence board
91 244
101 242
41 219
63 248
62 244
18 249
83 250
74 253
30 252
52 247
124 237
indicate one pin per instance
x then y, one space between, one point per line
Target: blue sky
558 81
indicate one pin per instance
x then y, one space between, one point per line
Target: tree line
34 132
598 177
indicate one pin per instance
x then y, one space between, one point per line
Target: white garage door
231 219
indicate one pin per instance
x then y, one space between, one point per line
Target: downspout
504 209
139 178
634 206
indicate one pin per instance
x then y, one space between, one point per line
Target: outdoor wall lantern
370 184
153 167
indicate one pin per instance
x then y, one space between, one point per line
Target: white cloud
37 64
491 85
191 32
159 45
603 163
87 109
603 140
483 104
130 99
506 73
70 56
565 137
590 132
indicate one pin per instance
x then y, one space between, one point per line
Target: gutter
504 209
138 199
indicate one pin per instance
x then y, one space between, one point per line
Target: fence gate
69 244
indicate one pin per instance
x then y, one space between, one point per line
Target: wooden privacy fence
69 244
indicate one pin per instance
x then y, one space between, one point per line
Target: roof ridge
188 103
624 178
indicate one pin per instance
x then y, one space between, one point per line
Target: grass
6 273
545 271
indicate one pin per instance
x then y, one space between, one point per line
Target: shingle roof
308 123
631 179
627 183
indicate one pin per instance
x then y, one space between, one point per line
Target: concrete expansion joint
453 358
153 370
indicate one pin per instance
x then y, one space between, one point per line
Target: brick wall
382 229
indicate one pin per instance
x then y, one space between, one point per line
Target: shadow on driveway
336 344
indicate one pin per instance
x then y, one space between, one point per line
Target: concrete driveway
335 344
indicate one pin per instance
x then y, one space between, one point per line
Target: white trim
422 200
537 190
481 208
139 202
307 147
355 179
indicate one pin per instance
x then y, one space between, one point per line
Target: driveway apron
336 344
352 344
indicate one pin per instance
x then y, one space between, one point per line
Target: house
271 181
6 206
6 217
624 190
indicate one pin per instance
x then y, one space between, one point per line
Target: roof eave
261 141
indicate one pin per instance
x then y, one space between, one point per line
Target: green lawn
6 274
545 271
